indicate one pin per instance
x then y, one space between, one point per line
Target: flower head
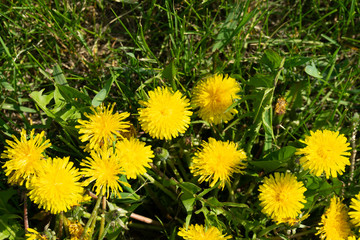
76 229
326 152
104 168
199 232
134 156
217 161
165 115
214 96
355 214
103 126
334 223
56 186
32 234
282 197
25 156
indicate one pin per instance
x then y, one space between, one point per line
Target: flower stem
93 215
102 222
159 185
26 218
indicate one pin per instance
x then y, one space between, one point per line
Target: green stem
102 235
159 185
102 222
231 191
93 215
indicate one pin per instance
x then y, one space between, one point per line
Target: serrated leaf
42 100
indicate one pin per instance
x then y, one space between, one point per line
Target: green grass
80 53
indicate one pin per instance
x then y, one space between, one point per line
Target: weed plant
297 66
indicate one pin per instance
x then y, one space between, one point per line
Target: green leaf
42 100
102 94
99 98
313 71
59 76
16 107
70 93
261 81
282 154
188 194
275 159
272 59
169 73
295 61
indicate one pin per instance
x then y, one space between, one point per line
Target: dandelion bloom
355 214
282 197
326 152
103 126
214 96
25 156
134 156
352 238
217 161
103 168
334 223
165 114
199 232
76 229
56 186
32 234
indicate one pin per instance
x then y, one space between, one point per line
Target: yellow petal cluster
326 152
165 114
282 197
134 156
217 161
104 169
56 186
25 156
103 127
334 223
199 232
355 213
214 96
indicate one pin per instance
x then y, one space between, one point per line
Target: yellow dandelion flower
24 156
56 186
214 96
217 161
353 238
103 126
326 152
76 229
104 168
32 234
134 156
199 232
355 214
334 223
282 197
165 115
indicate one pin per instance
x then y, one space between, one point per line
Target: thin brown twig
353 153
26 216
133 215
